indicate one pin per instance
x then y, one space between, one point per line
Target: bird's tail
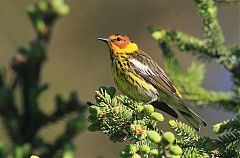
195 120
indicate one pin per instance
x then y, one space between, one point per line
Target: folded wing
144 66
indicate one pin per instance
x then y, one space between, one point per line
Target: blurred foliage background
78 61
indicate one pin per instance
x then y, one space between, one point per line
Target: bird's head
120 43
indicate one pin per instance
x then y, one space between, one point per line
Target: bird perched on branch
139 77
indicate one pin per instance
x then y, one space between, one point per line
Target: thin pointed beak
103 39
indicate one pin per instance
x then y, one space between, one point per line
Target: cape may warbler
140 78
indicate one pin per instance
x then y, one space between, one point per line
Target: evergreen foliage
122 118
22 118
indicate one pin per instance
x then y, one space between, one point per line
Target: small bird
139 77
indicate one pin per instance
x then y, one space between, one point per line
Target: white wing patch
145 69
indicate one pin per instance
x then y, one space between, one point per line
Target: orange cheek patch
122 45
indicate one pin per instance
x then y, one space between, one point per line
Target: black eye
119 39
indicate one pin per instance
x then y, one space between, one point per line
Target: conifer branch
189 84
24 120
122 118
211 45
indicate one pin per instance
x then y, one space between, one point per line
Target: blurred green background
78 61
